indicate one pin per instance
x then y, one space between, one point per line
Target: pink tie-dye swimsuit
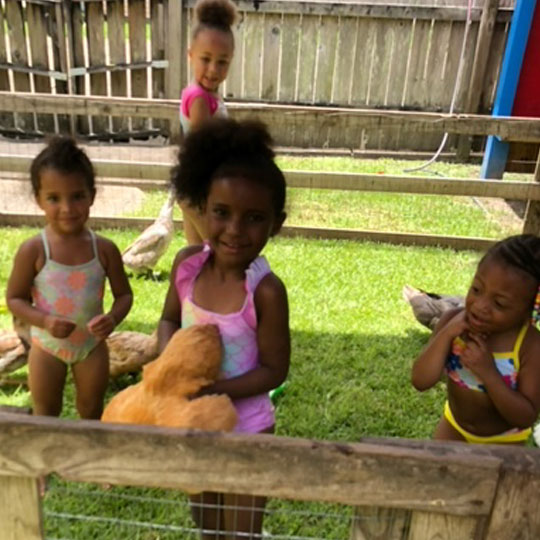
73 292
238 333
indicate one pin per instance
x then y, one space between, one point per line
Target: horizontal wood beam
367 10
379 475
301 117
406 239
151 176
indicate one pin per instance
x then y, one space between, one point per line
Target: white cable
454 95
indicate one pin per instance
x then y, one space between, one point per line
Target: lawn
354 339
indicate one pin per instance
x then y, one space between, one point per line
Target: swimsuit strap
517 345
94 243
45 245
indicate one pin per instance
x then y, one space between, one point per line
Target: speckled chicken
143 254
128 351
190 361
14 346
428 307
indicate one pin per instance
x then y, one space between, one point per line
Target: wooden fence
298 121
412 490
375 55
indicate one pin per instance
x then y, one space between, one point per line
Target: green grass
353 342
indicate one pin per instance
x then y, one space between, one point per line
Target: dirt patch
17 197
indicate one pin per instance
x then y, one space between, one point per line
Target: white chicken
143 254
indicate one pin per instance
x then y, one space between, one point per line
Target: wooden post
483 45
176 57
532 215
20 509
372 523
20 503
65 44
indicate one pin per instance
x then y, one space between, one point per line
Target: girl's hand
457 325
477 357
101 326
58 327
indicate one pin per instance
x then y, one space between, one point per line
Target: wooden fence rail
403 55
450 490
299 121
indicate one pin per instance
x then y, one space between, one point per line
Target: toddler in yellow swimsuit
490 351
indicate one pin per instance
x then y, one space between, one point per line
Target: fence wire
90 511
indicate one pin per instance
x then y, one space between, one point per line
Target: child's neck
223 272
505 340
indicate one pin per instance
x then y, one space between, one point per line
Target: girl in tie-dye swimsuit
56 285
228 283
490 351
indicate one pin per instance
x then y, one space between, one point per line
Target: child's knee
90 408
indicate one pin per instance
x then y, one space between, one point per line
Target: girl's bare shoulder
32 247
187 252
530 348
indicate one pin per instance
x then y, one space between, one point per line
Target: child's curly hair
218 14
63 155
521 251
227 148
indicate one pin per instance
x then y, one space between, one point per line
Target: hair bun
216 13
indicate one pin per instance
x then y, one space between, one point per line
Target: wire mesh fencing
87 511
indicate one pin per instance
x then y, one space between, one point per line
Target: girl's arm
519 408
102 325
273 341
428 367
19 292
171 315
198 112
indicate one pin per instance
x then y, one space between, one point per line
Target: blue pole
496 152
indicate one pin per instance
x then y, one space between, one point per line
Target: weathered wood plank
290 38
232 87
307 59
115 22
404 239
271 57
20 509
431 526
137 39
369 9
516 511
344 76
96 49
326 57
507 128
478 72
253 53
14 21
370 523
149 172
255 464
532 215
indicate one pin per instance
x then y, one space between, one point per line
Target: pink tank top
238 333
213 100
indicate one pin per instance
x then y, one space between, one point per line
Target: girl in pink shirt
226 282
210 54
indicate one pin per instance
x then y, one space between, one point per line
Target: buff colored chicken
190 361
143 254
